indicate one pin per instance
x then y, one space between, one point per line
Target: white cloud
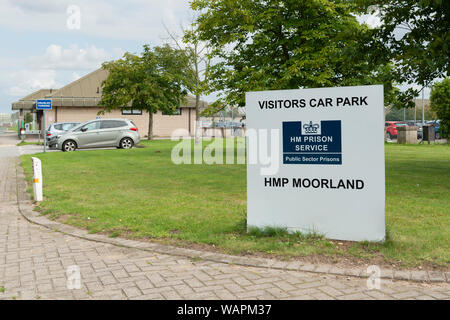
33 6
72 58
133 19
57 66
26 81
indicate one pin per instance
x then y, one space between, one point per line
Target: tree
156 80
199 61
285 44
28 118
416 35
440 103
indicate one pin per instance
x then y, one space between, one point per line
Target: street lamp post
423 107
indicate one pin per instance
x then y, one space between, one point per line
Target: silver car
120 133
55 130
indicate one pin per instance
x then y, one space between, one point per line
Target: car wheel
126 143
69 146
438 135
388 136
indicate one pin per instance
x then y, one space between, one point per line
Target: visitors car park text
313 103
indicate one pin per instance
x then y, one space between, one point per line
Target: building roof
84 92
89 86
28 101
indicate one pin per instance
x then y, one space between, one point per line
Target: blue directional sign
44 104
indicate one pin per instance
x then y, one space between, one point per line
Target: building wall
163 125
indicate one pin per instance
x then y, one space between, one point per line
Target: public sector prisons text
313 103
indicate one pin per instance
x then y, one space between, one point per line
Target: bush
440 103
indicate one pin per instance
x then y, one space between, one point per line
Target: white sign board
315 161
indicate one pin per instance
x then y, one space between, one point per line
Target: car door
110 131
88 135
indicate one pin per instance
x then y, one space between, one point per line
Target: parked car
419 128
57 129
101 133
437 127
391 128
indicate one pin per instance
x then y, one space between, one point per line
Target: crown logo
311 128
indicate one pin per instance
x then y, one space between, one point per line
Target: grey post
423 107
45 130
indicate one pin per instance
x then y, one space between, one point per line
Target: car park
100 133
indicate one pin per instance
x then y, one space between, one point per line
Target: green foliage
440 103
268 231
289 44
156 80
28 117
415 34
393 97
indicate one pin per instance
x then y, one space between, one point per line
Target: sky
43 46
49 43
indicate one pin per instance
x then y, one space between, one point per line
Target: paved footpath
34 261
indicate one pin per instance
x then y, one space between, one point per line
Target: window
126 111
174 112
91 126
66 126
109 124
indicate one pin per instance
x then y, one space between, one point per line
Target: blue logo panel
312 143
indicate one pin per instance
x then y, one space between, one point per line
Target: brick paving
34 262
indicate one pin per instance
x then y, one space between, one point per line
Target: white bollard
37 179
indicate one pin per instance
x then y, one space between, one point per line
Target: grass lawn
140 193
25 143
